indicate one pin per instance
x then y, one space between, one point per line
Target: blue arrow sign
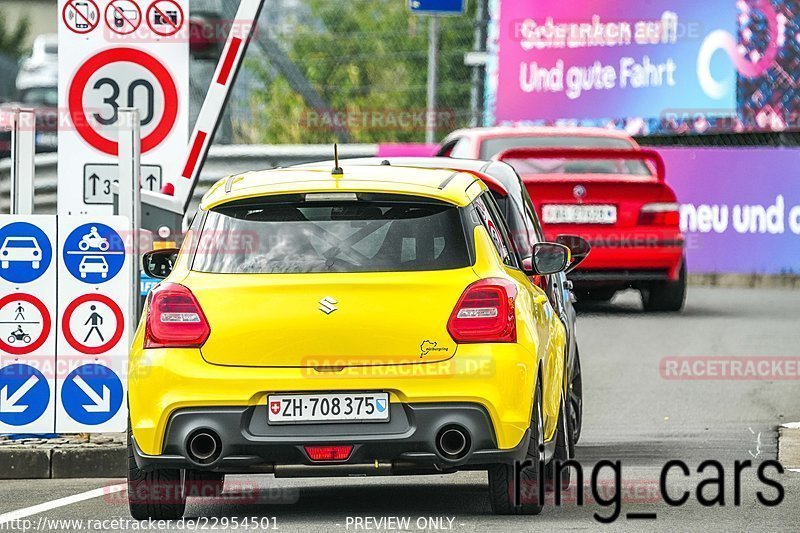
437 7
25 252
24 395
92 394
94 253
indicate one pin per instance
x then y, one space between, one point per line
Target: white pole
130 203
433 60
23 150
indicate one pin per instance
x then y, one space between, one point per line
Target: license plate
338 407
579 214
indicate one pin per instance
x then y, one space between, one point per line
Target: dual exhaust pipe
204 446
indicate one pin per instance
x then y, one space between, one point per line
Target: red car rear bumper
628 256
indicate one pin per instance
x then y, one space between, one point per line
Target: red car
600 185
485 143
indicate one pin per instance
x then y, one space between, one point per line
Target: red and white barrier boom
241 32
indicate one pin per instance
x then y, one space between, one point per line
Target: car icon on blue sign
93 264
20 249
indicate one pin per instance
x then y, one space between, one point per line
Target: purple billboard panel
740 208
601 59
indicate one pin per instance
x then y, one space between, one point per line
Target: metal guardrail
222 161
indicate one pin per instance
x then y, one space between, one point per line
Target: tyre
204 484
157 495
26 339
12 339
575 398
3 264
103 246
565 448
505 479
595 295
666 296
35 265
83 246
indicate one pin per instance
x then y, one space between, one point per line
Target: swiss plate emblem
275 407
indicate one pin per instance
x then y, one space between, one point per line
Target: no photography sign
121 53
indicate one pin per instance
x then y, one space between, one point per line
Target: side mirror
578 246
547 258
159 263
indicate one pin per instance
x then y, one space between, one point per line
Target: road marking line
61 502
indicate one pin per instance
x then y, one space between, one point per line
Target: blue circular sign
24 395
25 252
92 394
94 253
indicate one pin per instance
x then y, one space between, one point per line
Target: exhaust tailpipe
453 442
204 447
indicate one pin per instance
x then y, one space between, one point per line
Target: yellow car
368 321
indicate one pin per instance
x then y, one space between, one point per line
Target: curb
24 463
62 463
68 463
745 280
789 445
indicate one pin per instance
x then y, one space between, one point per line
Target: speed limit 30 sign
142 73
114 67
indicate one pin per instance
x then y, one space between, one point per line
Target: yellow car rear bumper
498 377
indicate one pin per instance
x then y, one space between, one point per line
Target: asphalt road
633 414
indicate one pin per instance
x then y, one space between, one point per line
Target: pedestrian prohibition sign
24 395
24 323
92 324
92 394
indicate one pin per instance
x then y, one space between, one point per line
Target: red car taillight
660 214
485 313
329 453
175 319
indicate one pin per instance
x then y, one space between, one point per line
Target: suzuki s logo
579 192
328 305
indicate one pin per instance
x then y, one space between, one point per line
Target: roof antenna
337 170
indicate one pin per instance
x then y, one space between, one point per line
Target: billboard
739 215
649 67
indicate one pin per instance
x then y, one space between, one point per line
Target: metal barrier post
23 149
130 203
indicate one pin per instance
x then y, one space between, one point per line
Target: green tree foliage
368 61
12 39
